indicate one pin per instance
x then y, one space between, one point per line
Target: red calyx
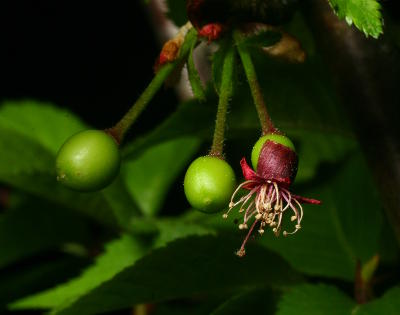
206 17
211 31
278 163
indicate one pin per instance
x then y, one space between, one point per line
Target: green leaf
194 77
315 300
388 304
365 14
323 299
118 255
36 276
331 148
30 135
170 230
339 232
185 267
261 301
40 122
299 98
148 178
34 227
190 120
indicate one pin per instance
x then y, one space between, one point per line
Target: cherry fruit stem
120 129
267 125
226 92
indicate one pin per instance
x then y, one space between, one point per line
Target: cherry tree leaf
314 300
35 226
118 255
194 265
307 299
365 14
149 176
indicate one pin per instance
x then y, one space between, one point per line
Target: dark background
92 58
95 59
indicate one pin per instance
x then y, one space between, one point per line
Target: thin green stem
120 129
265 120
226 91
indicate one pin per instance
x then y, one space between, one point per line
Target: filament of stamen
301 209
249 217
287 199
241 252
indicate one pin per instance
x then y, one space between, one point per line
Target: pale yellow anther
293 218
274 230
231 204
241 252
261 231
242 226
297 226
225 215
285 233
258 216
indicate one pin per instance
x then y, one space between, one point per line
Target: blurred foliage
140 246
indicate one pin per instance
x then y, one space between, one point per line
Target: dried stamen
267 208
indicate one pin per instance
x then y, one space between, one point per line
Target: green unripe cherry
209 184
88 161
277 138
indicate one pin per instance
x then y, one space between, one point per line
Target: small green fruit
88 161
209 183
274 137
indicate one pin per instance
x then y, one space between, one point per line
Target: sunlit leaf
365 14
118 255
